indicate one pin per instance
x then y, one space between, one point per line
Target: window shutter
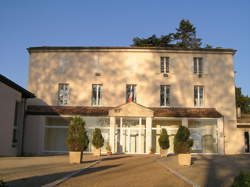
167 64
93 94
161 95
162 65
134 93
195 65
200 65
100 94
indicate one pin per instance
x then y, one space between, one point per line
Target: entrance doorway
130 135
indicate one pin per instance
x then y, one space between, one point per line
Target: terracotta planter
163 152
184 159
75 157
109 153
96 152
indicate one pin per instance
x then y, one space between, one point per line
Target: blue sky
26 23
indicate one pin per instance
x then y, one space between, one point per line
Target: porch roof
104 111
186 112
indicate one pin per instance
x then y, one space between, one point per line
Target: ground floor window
204 134
247 141
56 129
131 134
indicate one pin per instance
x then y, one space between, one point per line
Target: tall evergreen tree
242 101
185 35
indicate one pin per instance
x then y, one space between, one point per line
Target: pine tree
98 140
77 139
164 139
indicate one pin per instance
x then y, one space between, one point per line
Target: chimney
238 112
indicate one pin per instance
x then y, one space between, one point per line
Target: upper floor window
165 95
164 64
198 65
63 94
96 94
131 93
198 96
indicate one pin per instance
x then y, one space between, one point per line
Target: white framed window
198 65
164 64
198 96
96 94
131 93
164 95
63 94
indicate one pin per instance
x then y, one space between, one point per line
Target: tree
164 139
97 140
186 35
77 139
182 143
242 101
153 41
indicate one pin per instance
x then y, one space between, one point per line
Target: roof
104 111
186 112
8 82
245 118
67 110
74 48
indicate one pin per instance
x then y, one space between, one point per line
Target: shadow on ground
45 179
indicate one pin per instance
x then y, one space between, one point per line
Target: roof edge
69 48
10 83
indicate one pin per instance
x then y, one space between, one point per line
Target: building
12 114
131 93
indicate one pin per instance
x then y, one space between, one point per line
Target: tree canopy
242 101
184 37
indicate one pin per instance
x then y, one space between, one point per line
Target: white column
148 134
140 142
184 122
112 134
129 146
220 136
121 136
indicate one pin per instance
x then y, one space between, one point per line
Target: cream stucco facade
116 67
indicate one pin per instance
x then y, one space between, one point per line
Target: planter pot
97 152
184 159
75 157
163 152
109 153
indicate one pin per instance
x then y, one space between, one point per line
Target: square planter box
184 159
75 157
163 152
97 152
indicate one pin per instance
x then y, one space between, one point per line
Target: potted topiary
97 141
108 149
152 150
77 140
163 142
182 146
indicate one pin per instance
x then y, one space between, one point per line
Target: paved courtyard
211 170
122 170
126 171
37 171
